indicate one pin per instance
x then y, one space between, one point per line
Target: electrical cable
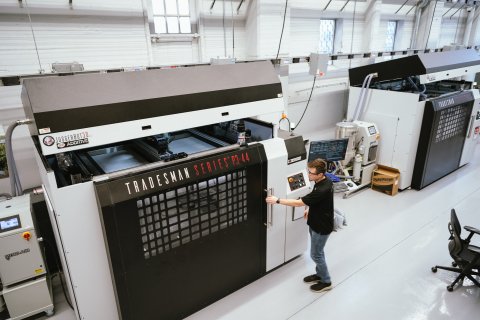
414 85
308 102
283 26
57 262
431 22
353 29
233 31
224 31
33 35
456 29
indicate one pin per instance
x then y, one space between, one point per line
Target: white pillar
429 25
372 24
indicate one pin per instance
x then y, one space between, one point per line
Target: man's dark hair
319 165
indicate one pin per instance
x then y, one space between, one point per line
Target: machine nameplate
139 185
289 161
16 253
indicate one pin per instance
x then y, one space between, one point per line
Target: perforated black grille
173 218
452 123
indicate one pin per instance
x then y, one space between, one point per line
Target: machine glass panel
10 223
185 226
372 130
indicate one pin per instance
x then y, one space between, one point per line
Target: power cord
57 262
308 102
283 26
431 22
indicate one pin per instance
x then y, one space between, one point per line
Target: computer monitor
329 150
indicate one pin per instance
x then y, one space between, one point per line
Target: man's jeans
317 243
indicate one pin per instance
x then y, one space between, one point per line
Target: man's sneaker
312 278
320 286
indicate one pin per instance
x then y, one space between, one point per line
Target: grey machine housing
422 116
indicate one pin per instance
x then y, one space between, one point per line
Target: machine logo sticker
16 253
48 141
446 103
71 140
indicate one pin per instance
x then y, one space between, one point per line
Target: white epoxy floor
380 263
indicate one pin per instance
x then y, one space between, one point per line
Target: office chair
466 257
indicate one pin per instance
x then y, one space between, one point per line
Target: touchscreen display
9 223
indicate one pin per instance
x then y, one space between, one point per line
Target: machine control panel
296 181
10 223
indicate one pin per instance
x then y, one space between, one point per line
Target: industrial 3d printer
156 182
427 112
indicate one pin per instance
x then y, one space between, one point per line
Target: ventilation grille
173 218
452 123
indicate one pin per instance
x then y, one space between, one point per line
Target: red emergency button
26 235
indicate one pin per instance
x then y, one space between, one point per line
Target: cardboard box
385 179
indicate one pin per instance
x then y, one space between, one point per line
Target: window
171 16
327 36
391 32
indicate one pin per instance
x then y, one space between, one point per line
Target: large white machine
152 189
23 273
418 103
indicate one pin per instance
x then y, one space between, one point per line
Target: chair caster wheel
450 288
434 269
454 264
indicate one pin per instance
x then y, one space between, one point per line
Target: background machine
23 274
426 113
171 203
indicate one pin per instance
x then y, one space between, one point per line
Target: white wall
304 36
95 38
173 53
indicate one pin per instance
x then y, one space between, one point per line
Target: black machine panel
415 65
183 236
442 136
107 98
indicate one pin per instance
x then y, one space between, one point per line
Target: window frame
152 16
335 24
394 38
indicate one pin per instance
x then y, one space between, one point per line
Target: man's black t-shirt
320 202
